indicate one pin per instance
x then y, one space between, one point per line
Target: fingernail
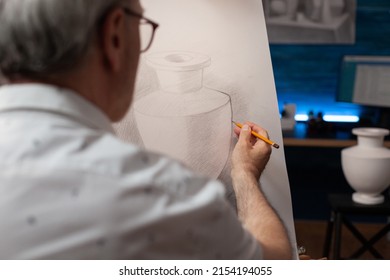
245 127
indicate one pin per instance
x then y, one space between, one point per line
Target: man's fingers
245 133
258 129
237 131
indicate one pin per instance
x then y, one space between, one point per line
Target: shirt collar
54 100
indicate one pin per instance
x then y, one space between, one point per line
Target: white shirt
70 189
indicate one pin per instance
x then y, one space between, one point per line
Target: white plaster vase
366 166
183 118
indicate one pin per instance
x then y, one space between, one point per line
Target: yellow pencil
266 140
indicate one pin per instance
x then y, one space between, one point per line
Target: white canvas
209 64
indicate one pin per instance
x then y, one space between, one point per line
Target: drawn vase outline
183 118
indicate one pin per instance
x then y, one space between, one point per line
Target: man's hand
251 155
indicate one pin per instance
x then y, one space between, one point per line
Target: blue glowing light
330 118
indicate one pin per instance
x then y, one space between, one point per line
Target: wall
308 74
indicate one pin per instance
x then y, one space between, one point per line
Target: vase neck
371 142
180 81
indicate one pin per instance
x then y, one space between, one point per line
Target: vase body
282 8
184 119
324 11
366 166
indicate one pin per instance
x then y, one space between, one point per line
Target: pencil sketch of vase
183 118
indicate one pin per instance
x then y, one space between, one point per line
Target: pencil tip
275 145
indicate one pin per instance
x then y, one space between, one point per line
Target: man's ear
113 37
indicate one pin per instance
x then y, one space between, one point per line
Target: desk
318 142
341 206
339 138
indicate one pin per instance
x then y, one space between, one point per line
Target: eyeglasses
147 29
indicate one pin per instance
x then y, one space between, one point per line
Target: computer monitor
365 80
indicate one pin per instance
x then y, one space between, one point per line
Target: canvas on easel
209 64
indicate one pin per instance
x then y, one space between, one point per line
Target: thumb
245 133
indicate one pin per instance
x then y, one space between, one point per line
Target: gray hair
38 37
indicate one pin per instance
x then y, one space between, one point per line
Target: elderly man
69 188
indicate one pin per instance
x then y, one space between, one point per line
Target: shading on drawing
310 21
184 114
209 64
